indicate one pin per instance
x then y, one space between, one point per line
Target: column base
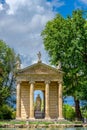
47 118
31 118
18 118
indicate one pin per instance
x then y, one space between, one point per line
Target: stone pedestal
39 115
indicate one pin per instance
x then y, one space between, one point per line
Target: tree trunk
77 110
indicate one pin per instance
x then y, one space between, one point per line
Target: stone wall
25 102
53 100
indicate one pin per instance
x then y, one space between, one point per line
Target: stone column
31 100
60 102
44 99
47 116
18 108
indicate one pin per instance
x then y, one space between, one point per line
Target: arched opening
39 104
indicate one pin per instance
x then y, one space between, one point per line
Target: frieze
39 79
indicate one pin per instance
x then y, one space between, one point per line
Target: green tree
8 60
65 39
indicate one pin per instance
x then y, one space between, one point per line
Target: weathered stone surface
39 77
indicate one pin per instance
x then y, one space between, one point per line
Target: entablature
39 78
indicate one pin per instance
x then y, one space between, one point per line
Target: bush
13 114
68 112
6 112
1 115
84 111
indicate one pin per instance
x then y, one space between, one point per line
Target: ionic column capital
32 82
47 82
60 82
19 82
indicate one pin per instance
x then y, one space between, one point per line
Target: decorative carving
32 82
18 82
59 65
39 56
39 69
47 82
18 64
60 82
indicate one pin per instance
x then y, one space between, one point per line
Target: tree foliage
7 68
65 39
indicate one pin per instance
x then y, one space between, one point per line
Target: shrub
84 111
1 115
68 112
13 114
6 112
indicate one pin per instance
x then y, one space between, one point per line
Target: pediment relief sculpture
39 68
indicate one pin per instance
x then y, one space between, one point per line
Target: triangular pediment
39 68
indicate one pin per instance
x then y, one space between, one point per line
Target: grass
12 122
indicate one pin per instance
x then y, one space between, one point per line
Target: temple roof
39 68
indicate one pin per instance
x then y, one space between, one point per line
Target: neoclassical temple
48 80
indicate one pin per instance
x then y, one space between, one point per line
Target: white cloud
1 7
84 1
35 5
14 5
21 24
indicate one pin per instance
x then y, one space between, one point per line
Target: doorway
39 104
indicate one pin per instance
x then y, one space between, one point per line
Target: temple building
48 80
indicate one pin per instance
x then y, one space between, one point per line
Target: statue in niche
38 103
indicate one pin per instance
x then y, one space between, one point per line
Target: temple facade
48 80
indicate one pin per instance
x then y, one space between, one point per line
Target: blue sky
21 23
67 8
2 1
70 5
